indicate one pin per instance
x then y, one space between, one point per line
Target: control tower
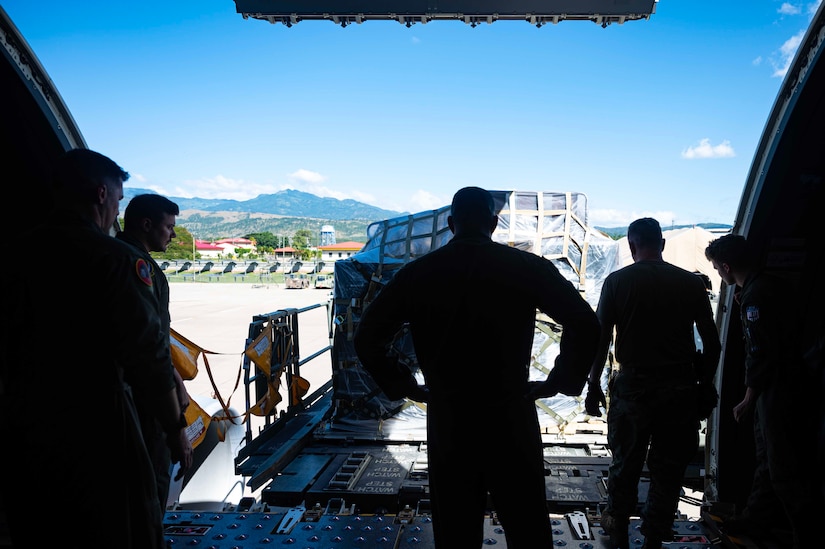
327 235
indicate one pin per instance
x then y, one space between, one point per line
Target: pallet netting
550 224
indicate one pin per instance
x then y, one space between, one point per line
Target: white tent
684 248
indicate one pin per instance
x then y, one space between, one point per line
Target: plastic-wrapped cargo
551 224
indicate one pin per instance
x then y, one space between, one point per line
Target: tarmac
217 317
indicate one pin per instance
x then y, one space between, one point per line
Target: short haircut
732 249
79 172
645 232
473 207
148 206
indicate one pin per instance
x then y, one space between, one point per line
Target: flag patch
144 271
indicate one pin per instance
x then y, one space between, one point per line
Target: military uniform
471 308
653 414
153 434
785 407
74 328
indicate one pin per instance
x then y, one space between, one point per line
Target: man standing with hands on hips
471 306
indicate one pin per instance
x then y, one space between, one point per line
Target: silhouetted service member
471 307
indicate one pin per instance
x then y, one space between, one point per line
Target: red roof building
341 250
207 249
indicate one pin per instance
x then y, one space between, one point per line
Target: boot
617 529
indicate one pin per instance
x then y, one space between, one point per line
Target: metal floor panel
302 528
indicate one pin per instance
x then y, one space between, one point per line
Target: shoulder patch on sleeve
144 271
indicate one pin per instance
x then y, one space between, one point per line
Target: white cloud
705 150
215 187
221 187
621 218
756 62
361 196
783 58
786 54
608 218
789 9
419 201
307 176
422 200
311 182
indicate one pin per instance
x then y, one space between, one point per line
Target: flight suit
153 434
784 430
74 330
471 309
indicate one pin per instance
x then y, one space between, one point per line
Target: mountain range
285 212
290 203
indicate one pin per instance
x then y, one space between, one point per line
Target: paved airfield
216 316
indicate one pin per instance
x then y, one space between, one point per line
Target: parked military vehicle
296 280
324 281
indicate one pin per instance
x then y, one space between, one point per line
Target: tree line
183 245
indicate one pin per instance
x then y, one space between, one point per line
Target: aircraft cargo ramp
347 467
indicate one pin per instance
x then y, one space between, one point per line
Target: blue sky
658 117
